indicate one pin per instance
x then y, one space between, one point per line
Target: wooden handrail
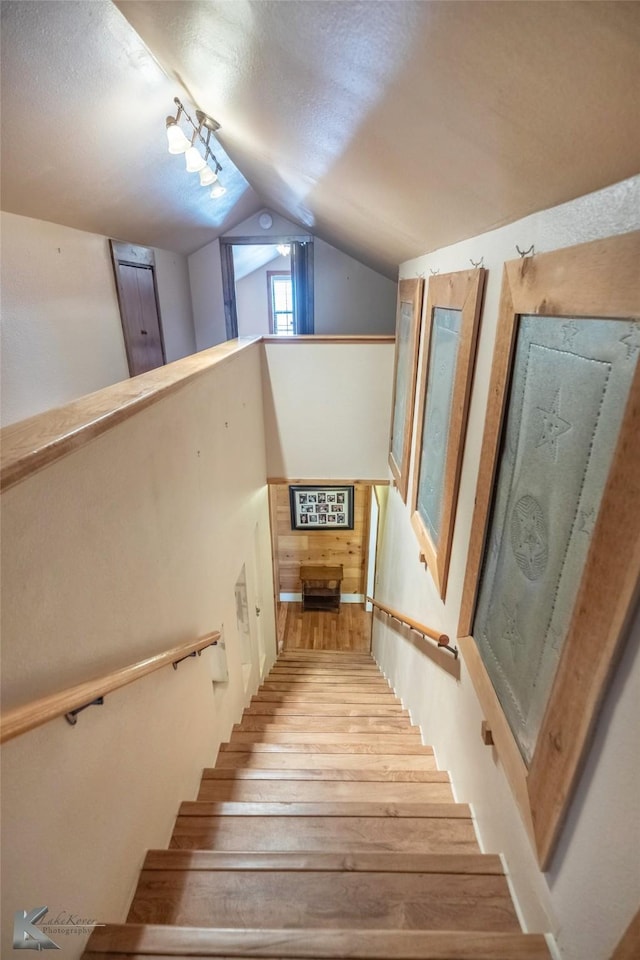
440 638
31 444
15 722
338 338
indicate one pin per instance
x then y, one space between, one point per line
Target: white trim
344 598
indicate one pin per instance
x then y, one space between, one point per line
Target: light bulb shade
195 160
217 190
207 176
178 143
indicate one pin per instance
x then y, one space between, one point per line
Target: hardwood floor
347 629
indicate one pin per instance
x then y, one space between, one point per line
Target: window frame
271 275
599 280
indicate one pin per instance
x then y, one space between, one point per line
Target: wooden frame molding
458 291
410 293
598 279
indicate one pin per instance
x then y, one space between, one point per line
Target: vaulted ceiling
386 128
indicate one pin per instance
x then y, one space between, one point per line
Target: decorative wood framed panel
452 318
554 558
404 379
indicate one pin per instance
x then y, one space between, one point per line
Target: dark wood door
138 298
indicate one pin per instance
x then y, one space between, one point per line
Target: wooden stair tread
322 696
263 772
290 898
477 864
370 748
314 759
295 791
262 708
300 685
329 724
369 808
317 737
138 940
350 835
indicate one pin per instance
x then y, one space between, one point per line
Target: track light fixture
205 163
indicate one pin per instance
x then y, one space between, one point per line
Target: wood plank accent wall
293 547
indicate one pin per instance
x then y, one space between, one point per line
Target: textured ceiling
386 128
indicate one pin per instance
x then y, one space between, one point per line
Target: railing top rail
440 638
34 443
21 719
339 338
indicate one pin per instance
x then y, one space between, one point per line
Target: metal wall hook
480 262
434 273
72 716
526 253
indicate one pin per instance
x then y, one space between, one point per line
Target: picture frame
321 508
408 315
596 281
452 319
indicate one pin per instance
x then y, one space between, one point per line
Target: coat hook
525 253
434 273
480 262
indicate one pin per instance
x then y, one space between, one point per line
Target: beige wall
327 409
61 329
349 297
174 296
205 276
593 887
129 545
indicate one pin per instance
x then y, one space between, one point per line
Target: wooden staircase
324 830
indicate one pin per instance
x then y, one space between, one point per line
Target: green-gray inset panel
443 358
402 381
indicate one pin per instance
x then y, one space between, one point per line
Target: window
280 303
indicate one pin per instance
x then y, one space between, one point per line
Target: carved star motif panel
569 387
